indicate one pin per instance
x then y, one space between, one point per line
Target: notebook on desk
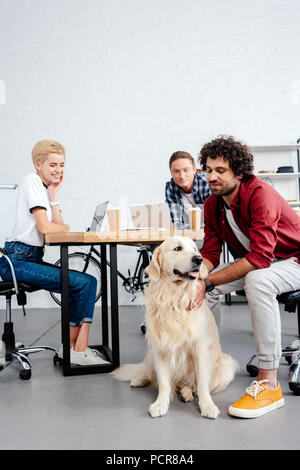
151 217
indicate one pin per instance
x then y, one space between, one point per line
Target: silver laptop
98 217
151 216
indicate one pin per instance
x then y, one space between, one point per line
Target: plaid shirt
173 192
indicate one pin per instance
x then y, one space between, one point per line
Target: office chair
17 351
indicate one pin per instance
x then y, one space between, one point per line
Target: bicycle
87 263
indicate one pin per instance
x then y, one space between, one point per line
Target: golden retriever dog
184 353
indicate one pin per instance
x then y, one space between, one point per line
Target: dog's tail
128 371
225 370
139 374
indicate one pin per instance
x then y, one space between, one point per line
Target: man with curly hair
258 224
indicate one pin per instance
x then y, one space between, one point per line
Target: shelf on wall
8 186
294 203
268 148
278 175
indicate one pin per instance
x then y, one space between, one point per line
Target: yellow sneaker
258 401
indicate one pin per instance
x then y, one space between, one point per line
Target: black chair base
19 352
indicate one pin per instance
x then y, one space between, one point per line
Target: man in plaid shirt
186 189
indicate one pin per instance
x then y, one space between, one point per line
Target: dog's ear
203 271
153 270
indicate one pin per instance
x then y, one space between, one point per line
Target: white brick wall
124 83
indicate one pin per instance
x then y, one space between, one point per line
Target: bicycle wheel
77 262
143 278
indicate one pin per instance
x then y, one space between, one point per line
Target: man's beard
224 191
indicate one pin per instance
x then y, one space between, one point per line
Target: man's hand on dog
201 291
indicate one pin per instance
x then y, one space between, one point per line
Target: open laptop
151 216
98 217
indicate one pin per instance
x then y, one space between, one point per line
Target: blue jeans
30 267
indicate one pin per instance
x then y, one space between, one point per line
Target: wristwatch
209 285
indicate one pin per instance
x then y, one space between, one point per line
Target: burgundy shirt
272 226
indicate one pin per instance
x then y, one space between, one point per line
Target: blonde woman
37 213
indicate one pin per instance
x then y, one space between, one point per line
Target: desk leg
104 304
65 311
114 305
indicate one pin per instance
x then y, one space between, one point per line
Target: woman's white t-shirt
32 194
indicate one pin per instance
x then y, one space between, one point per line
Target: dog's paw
158 409
209 410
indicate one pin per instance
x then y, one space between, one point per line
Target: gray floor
98 412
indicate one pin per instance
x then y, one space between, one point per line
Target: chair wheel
295 387
56 360
252 370
25 374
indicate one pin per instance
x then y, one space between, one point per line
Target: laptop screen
98 217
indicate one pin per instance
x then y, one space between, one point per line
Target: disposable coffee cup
114 217
195 218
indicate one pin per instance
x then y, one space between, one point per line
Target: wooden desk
104 239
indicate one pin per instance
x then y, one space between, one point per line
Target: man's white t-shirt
32 194
188 200
236 230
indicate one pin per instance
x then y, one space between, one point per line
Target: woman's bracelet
54 203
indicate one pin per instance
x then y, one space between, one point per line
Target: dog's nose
196 260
